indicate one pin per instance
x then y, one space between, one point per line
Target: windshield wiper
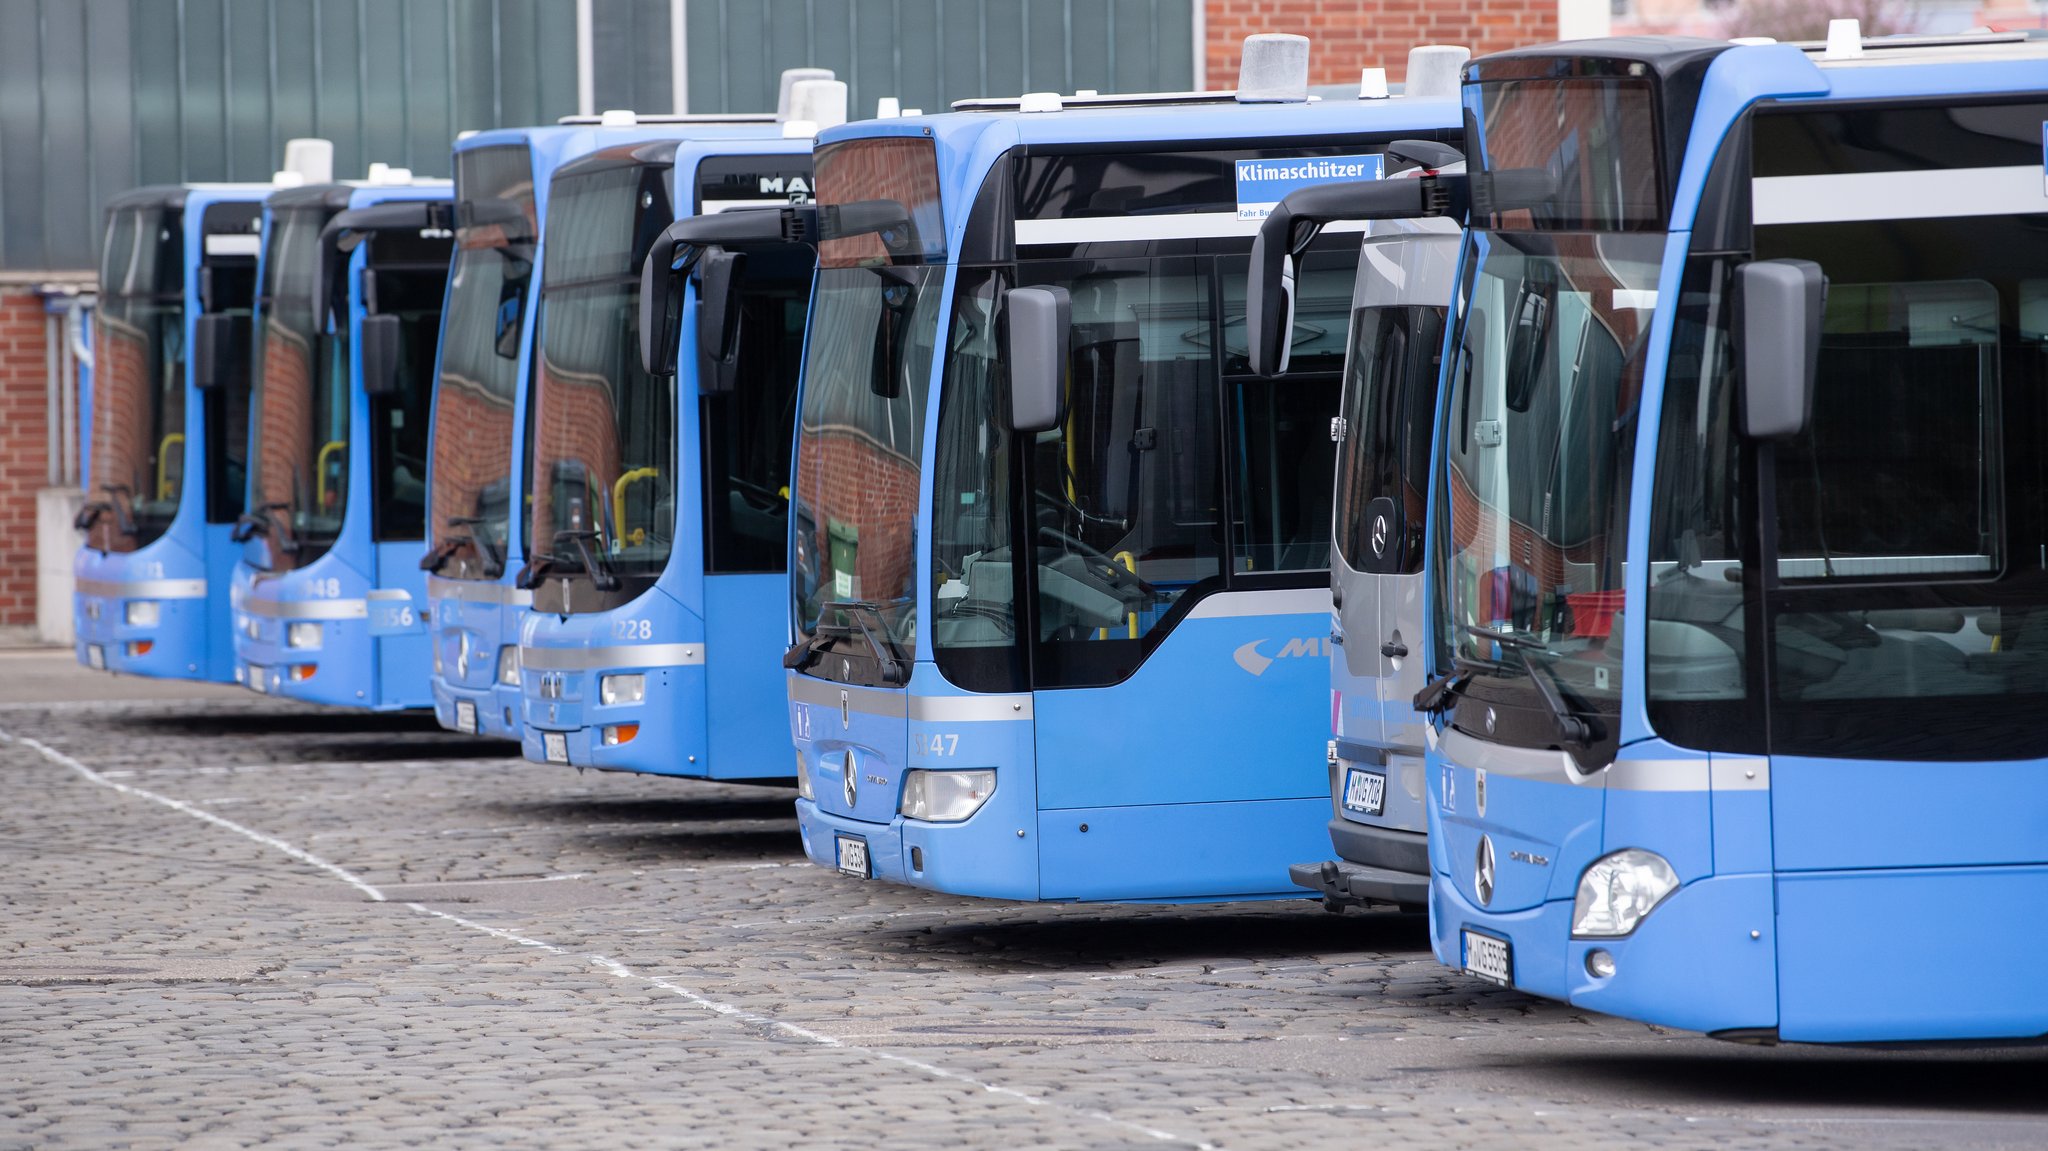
803 654
1572 728
1440 693
494 560
602 577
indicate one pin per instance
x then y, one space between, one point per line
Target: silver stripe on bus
1534 764
234 244
866 700
1927 195
1118 229
1658 774
388 594
478 591
970 708
305 608
143 588
625 656
1268 601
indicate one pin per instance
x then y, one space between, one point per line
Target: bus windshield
604 431
481 339
138 456
299 418
1536 445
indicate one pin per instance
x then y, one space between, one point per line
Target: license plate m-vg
852 857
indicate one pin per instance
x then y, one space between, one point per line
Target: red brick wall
472 448
1348 35
120 409
287 431
577 421
24 451
850 481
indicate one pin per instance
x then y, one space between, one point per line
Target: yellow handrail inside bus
320 471
163 459
1130 563
619 502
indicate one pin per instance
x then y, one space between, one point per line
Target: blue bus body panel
664 630
1912 953
746 625
187 571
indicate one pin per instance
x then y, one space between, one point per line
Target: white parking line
603 963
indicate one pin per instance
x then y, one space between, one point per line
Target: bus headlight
1618 890
803 779
508 665
144 613
304 634
946 796
616 689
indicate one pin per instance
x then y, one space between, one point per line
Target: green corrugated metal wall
101 95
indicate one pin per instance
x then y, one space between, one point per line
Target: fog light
144 613
508 665
946 796
618 733
1599 964
140 647
302 634
616 689
301 672
803 779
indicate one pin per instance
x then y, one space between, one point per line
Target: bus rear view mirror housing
213 348
1294 224
1779 309
377 350
718 317
689 242
1036 348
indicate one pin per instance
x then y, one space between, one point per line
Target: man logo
1249 658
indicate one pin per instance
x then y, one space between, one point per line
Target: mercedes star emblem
1482 872
852 780
1379 535
1489 721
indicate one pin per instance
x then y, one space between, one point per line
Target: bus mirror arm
1779 304
348 230
1295 222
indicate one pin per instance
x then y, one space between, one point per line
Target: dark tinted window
746 430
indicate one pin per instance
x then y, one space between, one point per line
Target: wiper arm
258 522
1572 729
1440 693
494 556
893 671
602 577
437 559
1512 639
122 516
535 571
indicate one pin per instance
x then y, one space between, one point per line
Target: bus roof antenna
1274 69
787 92
1435 71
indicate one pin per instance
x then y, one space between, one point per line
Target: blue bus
475 526
1406 274
326 598
1060 559
658 498
1739 538
169 426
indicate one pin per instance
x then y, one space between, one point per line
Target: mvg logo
1249 658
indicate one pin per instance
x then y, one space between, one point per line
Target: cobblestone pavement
231 923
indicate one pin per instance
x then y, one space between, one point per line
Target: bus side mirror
659 305
1269 294
213 349
1779 313
377 351
1039 322
718 317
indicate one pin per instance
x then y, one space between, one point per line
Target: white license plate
1489 959
465 716
95 657
556 745
853 857
1365 792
